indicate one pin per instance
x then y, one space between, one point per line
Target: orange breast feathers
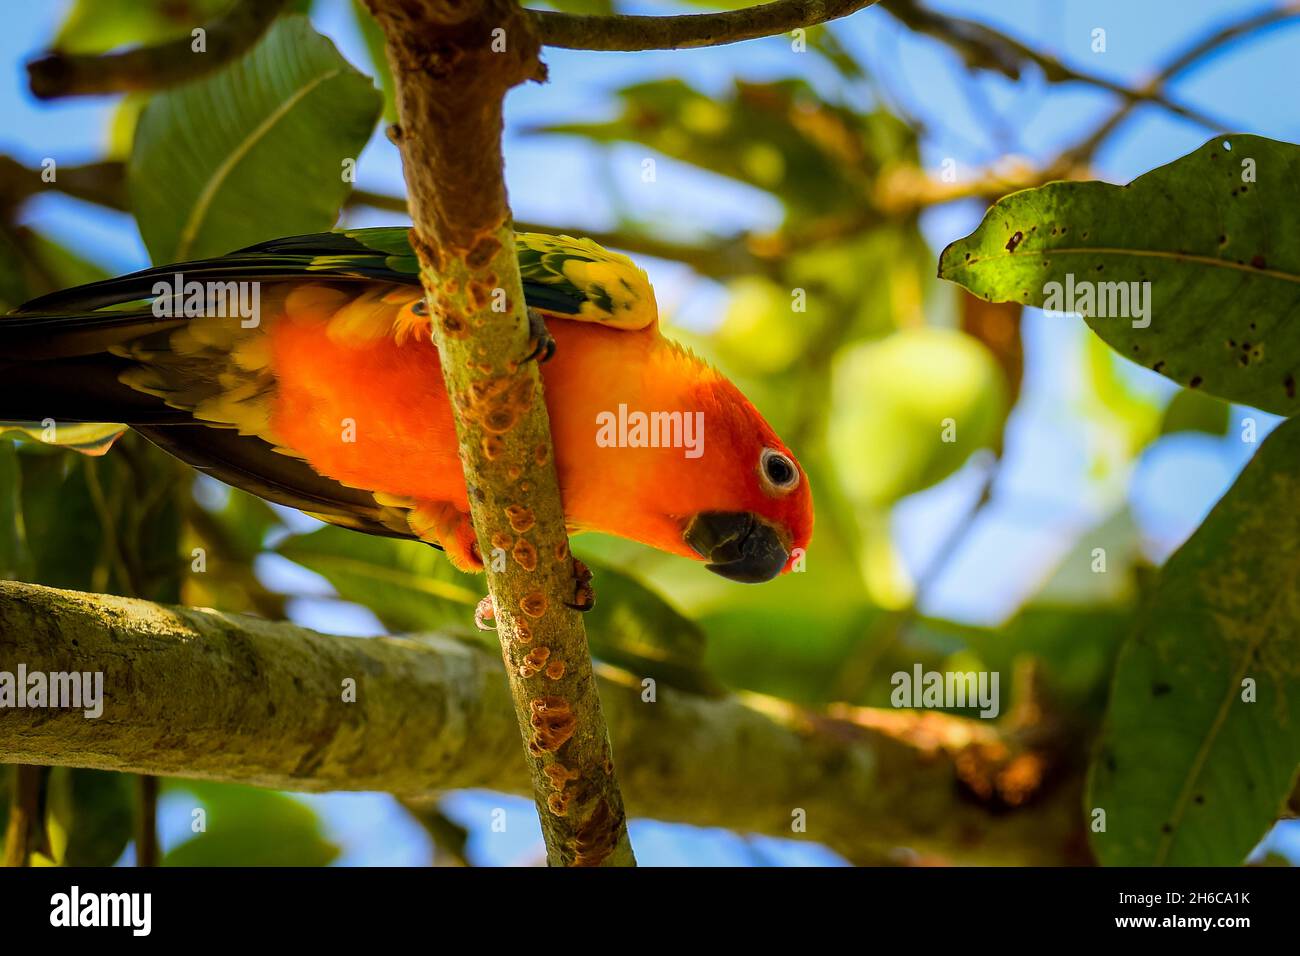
373 413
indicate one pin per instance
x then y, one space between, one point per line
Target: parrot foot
540 337
486 611
584 598
584 595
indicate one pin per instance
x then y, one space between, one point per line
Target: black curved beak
738 545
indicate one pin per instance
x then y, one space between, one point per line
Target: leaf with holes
1193 269
1202 740
252 152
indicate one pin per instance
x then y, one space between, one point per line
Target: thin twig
146 837
1194 54
982 46
575 31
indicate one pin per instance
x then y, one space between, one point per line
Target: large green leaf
1216 235
1193 411
254 151
63 528
246 826
409 586
91 815
908 410
635 628
1187 771
15 562
95 26
375 49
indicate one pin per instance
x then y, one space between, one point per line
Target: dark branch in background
25 831
154 67
452 64
103 183
983 47
433 713
146 824
630 33
1195 54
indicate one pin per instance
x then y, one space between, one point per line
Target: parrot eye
778 473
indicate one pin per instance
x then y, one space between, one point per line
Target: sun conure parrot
343 336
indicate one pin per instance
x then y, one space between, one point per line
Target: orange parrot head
736 498
756 514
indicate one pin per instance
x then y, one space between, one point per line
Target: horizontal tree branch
154 67
228 697
688 31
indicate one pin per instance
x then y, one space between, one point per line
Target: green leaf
67 267
245 521
1194 411
908 410
254 151
633 627
246 826
410 586
375 43
63 529
96 26
91 815
15 561
1190 770
1215 236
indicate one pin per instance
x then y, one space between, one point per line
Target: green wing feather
574 278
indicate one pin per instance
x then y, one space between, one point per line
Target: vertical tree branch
453 62
146 832
26 826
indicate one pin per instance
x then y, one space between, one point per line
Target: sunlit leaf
410 586
246 826
374 38
253 151
91 815
96 26
1193 268
908 411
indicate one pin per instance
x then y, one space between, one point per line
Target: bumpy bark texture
228 697
453 63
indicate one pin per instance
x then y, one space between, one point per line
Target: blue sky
1051 490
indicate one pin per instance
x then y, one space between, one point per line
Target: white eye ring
777 472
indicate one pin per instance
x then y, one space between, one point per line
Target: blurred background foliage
819 181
